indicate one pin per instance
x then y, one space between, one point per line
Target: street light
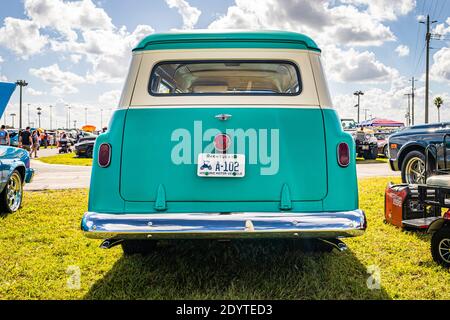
39 109
50 117
358 94
12 119
21 84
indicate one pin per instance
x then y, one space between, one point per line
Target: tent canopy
378 122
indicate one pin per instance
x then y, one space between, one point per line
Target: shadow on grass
255 269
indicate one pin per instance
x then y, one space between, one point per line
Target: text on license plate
221 165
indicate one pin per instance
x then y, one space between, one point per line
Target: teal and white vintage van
221 136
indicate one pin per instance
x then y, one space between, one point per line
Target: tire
413 162
386 151
143 247
11 196
440 246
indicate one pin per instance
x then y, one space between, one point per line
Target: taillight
343 154
104 155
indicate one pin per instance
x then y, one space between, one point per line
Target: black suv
407 150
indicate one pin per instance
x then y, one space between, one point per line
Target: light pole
12 118
39 109
28 114
21 84
358 94
85 116
68 115
50 117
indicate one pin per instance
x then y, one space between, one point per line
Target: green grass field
67 159
41 245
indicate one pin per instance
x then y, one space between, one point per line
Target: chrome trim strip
219 226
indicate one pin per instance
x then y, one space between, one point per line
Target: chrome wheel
415 171
14 192
444 250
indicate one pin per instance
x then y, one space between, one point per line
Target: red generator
402 208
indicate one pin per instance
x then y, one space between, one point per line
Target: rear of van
224 135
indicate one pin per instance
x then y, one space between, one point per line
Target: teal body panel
294 137
225 40
140 163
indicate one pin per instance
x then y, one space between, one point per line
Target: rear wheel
11 196
440 247
143 247
413 168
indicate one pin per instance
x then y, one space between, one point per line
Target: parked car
407 150
13 137
210 140
85 148
366 144
15 167
382 143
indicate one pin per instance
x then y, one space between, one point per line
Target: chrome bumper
224 226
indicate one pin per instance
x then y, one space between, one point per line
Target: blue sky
374 46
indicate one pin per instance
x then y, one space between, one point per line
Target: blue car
15 168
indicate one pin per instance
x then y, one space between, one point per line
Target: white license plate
221 165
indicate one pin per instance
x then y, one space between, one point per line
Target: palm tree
438 103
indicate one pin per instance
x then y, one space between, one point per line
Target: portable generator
404 210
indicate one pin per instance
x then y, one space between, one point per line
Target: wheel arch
407 148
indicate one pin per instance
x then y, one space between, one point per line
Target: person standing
35 143
25 141
4 137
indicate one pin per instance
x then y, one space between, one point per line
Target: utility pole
427 71
413 89
408 112
365 114
358 93
21 84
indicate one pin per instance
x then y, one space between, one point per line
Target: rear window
225 78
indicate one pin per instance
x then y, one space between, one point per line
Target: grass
41 244
67 159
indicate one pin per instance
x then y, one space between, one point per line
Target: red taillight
104 155
343 154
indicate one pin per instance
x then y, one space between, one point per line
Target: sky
75 54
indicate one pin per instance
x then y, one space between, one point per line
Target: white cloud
189 14
22 37
63 82
67 17
34 92
325 23
402 50
2 77
110 98
355 66
385 9
440 70
76 58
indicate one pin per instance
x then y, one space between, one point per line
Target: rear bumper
224 226
29 174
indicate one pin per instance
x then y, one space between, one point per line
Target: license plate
221 165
